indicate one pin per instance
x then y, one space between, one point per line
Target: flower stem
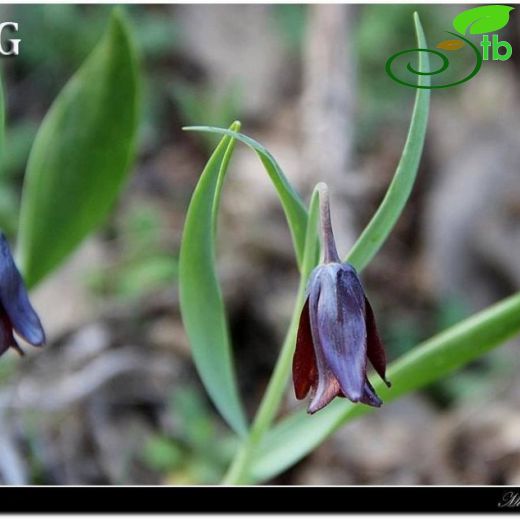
238 471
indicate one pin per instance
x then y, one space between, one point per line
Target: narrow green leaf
311 252
201 301
299 434
385 218
81 155
292 204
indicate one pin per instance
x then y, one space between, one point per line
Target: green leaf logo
484 19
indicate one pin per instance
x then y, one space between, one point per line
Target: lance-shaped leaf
292 204
81 155
380 226
483 19
202 307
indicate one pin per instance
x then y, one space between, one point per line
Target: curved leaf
201 302
483 19
386 216
81 155
299 434
292 204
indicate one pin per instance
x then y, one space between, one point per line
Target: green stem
238 471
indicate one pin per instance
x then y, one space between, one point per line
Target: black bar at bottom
259 499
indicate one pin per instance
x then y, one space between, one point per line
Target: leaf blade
292 203
375 233
201 300
81 155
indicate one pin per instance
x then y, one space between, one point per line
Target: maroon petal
304 361
375 350
6 334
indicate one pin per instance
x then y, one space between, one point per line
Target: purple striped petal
369 395
342 329
328 386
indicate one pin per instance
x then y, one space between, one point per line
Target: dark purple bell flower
16 312
337 332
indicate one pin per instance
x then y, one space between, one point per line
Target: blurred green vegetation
381 31
146 264
201 105
8 367
290 20
195 452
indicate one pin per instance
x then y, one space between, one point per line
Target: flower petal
304 361
342 330
6 334
369 395
375 350
13 297
327 386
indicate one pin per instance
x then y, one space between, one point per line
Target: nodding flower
16 312
337 333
